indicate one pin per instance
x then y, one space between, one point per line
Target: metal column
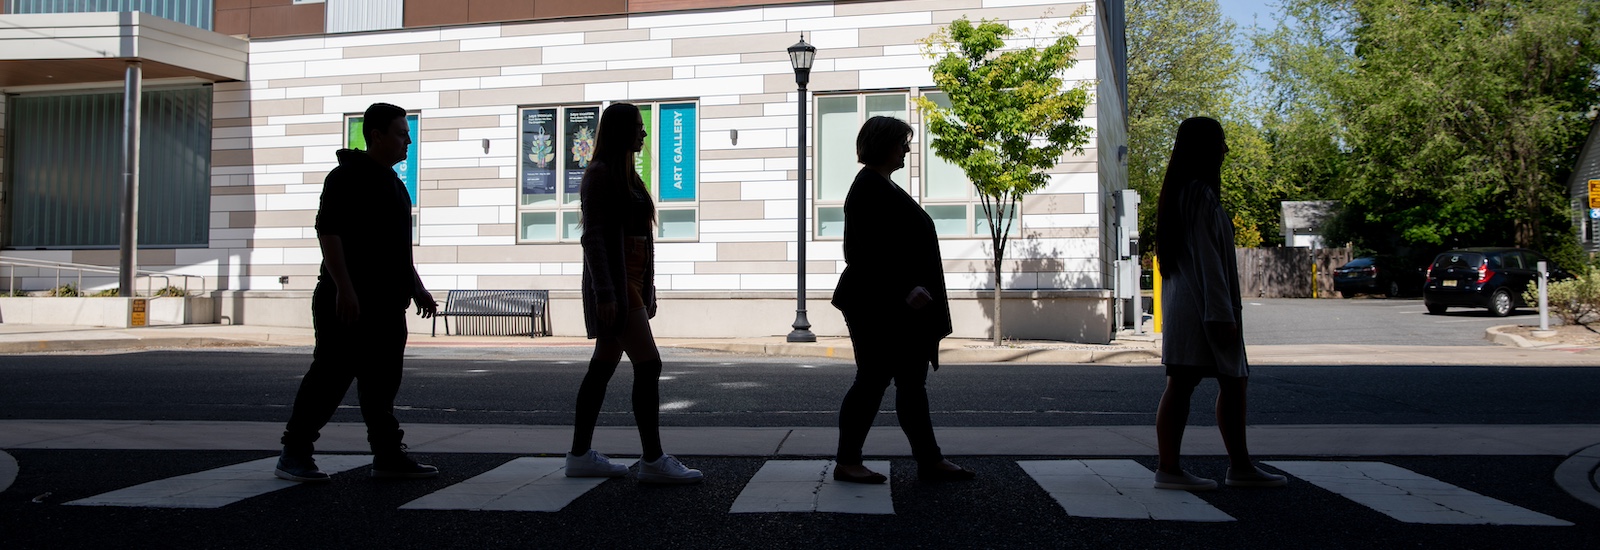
129 265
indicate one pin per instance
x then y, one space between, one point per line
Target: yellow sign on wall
1594 193
138 315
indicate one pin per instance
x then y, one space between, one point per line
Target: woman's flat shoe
935 473
870 478
1183 482
1254 478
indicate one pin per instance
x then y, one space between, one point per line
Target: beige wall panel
440 174
724 154
522 96
576 25
761 267
723 45
402 49
896 36
165 256
247 190
600 37
273 270
278 107
438 198
620 75
486 58
841 9
449 100
307 129
439 135
767 98
765 56
497 230
833 81
1053 204
275 218
1076 164
720 191
400 87
730 111
1020 14
96 257
443 73
241 220
434 254
237 122
457 122
522 253
732 210
477 184
313 105
759 252
245 157
531 282
1062 233
283 243
324 81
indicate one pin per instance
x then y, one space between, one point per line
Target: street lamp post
800 56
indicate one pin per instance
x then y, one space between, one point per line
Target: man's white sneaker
593 464
667 469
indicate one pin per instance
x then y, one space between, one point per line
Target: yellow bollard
1155 303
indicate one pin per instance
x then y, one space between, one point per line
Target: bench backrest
495 302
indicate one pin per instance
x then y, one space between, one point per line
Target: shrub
1573 300
172 291
66 291
107 293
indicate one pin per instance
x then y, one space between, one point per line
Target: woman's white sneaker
667 469
593 464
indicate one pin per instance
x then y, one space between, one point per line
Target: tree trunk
997 279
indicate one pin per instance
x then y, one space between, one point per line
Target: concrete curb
947 355
1498 335
46 346
1579 475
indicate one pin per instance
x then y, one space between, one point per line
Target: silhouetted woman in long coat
893 297
1201 308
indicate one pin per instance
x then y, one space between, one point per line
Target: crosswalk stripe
808 486
528 484
1121 489
1409 496
216 487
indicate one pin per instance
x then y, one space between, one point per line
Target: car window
1468 260
1511 260
1358 262
1493 260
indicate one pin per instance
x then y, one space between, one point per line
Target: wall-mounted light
733 136
485 146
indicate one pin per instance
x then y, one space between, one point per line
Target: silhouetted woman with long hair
619 299
1201 308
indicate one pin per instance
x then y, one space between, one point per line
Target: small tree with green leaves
1010 119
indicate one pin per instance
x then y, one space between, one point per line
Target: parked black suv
1385 275
1492 278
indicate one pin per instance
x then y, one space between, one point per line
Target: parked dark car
1491 278
1385 275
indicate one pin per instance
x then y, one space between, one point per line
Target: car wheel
1436 310
1394 289
1500 303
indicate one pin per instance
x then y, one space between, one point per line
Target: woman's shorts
637 250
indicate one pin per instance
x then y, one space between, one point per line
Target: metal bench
501 310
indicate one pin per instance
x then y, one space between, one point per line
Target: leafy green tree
1181 63
1461 120
1010 119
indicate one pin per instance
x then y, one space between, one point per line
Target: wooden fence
1287 272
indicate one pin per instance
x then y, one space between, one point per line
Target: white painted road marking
808 486
216 487
528 484
1120 489
8 470
1409 496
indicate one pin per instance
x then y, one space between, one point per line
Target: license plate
1447 283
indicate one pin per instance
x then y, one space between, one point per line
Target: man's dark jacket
368 208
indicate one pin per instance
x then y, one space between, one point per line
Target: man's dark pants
369 352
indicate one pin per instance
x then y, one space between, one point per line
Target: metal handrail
12 263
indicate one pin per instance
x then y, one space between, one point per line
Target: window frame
416 143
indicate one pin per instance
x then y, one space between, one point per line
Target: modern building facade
245 102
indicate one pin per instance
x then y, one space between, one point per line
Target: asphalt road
1369 321
709 389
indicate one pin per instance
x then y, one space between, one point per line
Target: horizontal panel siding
195 13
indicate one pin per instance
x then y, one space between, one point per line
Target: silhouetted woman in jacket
893 298
619 300
1201 308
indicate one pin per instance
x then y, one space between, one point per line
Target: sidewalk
1129 349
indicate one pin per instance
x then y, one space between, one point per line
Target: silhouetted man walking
359 307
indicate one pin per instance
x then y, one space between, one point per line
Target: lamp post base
802 328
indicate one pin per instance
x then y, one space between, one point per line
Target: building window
557 144
942 187
406 169
839 118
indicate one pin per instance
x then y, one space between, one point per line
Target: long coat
890 247
605 271
1204 292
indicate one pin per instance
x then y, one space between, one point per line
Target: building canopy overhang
76 49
